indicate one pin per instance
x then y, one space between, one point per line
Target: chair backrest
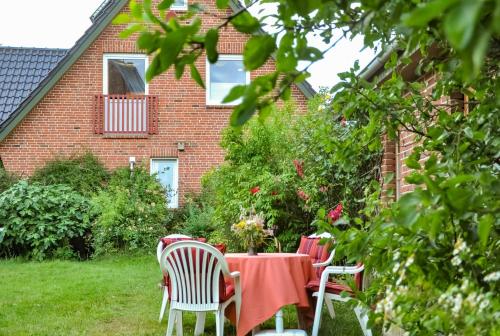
318 253
196 272
161 245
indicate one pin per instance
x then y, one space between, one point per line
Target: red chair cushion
330 287
318 253
228 291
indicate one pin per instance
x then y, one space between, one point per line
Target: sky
59 23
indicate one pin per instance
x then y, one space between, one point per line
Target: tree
435 251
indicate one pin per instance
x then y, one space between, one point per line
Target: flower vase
251 250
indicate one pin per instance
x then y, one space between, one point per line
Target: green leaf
222 4
196 75
245 23
258 49
484 228
131 30
426 12
460 22
243 112
479 50
165 4
211 39
408 212
171 47
122 18
235 93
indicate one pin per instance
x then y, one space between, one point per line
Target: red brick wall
62 123
403 146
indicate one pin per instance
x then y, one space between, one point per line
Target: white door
167 173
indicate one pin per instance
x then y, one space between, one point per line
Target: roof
21 70
103 16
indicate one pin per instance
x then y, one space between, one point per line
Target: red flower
255 190
343 122
299 167
274 193
335 214
302 195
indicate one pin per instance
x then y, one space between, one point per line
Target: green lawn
110 296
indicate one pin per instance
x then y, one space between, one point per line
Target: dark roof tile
21 70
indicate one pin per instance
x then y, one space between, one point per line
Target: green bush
42 221
131 213
197 219
85 173
7 179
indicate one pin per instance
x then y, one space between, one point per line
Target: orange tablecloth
269 281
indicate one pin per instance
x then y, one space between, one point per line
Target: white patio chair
323 264
159 250
333 290
197 272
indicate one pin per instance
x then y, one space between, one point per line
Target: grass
110 296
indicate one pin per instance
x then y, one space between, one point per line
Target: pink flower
299 167
302 195
335 214
323 189
255 190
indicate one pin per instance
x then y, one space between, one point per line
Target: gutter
377 63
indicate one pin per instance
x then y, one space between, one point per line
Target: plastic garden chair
197 271
332 291
320 257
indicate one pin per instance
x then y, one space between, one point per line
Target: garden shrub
42 221
84 173
197 219
131 213
288 167
7 179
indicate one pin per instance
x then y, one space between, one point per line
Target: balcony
125 115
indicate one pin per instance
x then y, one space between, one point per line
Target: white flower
396 267
410 260
456 261
457 304
495 276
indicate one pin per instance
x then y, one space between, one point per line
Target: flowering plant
250 228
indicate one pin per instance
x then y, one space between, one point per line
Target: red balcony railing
125 114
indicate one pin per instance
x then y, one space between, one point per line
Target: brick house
397 150
93 97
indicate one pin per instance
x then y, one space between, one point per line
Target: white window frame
153 168
107 57
180 8
207 79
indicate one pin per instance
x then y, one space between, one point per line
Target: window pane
126 76
227 72
179 3
224 75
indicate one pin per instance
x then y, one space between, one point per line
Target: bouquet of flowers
250 229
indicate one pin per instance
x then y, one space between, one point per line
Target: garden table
270 281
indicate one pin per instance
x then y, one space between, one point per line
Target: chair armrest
326 262
234 275
343 269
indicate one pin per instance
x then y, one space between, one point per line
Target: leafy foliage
434 250
7 179
131 213
40 221
84 173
